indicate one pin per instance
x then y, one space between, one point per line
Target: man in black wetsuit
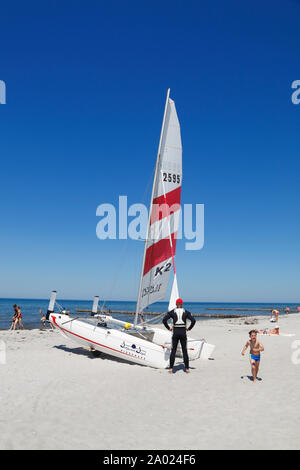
179 316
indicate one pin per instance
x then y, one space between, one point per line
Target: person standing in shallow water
179 316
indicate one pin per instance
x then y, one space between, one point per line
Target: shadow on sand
94 354
180 367
249 377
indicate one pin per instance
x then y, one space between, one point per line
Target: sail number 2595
171 178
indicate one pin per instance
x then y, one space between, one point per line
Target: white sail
174 294
160 245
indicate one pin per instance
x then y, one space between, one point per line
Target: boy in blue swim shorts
255 349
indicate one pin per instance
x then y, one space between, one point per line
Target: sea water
30 309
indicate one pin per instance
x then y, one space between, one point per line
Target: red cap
179 301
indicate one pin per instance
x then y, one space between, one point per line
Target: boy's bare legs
257 367
254 369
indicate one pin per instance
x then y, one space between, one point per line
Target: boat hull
126 346
113 342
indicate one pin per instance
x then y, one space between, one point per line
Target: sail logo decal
162 269
151 290
133 348
171 178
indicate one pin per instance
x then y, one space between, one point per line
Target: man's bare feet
170 371
187 371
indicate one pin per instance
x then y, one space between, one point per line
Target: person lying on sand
255 349
268 331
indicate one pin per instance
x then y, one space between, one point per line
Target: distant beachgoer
179 316
14 318
274 315
255 349
68 312
298 309
20 324
287 310
13 322
44 320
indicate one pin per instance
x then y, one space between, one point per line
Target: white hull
124 345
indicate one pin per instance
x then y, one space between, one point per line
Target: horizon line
162 301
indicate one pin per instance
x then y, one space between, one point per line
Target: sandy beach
55 395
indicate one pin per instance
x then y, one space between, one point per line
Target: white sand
54 395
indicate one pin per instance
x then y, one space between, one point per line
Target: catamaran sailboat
142 343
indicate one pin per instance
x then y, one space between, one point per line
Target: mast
51 304
150 211
95 305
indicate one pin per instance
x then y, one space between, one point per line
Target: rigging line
153 319
117 274
155 237
58 305
150 180
148 185
68 321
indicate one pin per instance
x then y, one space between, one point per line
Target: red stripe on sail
162 205
159 252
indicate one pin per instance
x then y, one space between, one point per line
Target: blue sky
86 84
